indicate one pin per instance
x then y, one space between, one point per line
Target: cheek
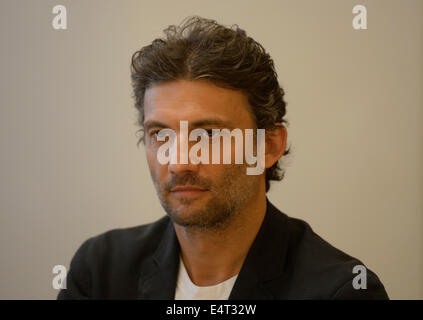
153 164
151 158
158 171
223 175
235 178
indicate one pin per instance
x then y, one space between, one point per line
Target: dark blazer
287 260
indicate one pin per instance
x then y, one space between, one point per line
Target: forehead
196 100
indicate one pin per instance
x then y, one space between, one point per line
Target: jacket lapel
264 265
158 281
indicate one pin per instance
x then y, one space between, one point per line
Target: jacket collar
158 278
264 262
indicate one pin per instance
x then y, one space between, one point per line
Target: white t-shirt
186 290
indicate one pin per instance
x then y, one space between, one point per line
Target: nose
177 168
183 163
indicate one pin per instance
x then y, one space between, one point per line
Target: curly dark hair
200 48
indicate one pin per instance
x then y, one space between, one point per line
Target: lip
188 191
187 188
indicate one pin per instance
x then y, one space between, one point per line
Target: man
221 237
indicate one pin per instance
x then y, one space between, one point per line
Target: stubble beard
228 196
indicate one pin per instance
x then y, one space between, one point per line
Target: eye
153 136
212 132
154 133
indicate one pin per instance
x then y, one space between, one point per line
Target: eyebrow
198 123
152 123
211 122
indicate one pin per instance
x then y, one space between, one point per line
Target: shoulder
129 237
105 265
123 243
317 269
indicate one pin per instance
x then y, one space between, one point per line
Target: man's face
202 196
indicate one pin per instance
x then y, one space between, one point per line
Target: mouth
187 191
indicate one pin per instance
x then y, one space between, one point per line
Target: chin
185 217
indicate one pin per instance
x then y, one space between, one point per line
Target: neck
211 257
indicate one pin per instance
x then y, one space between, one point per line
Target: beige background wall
70 169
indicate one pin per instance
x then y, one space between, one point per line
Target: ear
275 145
